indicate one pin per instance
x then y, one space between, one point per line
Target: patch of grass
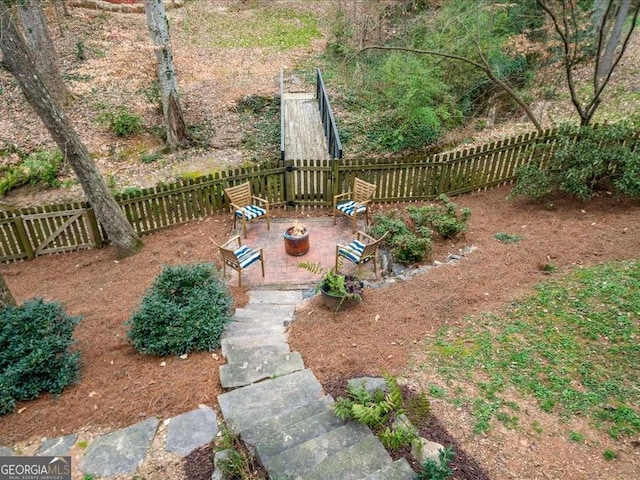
437 392
279 28
507 238
536 426
609 455
576 437
573 347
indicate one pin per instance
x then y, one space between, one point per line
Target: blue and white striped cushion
251 212
353 251
246 256
350 206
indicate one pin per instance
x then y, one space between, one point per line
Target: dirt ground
118 387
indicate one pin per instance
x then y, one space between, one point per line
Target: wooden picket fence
300 184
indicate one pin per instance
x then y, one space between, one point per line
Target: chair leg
262 262
337 258
244 227
354 222
240 277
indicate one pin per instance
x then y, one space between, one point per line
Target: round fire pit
296 245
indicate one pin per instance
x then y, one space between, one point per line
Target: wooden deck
304 133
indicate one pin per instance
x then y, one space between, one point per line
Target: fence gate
51 232
309 183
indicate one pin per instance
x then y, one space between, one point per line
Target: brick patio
281 270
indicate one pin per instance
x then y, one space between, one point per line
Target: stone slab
398 470
191 430
251 436
275 296
353 463
244 407
304 457
120 452
239 374
244 329
273 314
371 384
6 452
238 354
57 447
303 431
251 341
271 309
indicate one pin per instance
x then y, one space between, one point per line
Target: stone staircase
279 409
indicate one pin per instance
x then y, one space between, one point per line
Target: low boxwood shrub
35 355
185 310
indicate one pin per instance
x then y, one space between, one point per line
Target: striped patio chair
354 202
239 258
359 251
246 206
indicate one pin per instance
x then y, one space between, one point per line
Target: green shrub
585 160
507 237
36 168
445 219
35 356
408 248
185 310
121 121
391 222
439 470
409 242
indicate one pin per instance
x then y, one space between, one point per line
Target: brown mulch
118 387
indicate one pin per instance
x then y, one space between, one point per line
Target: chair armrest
261 200
236 207
340 195
232 239
361 235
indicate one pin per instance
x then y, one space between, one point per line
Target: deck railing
300 184
328 122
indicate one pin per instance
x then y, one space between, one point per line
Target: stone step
251 436
270 309
398 470
302 458
249 341
247 406
263 317
353 463
120 452
268 447
239 374
279 297
239 354
243 329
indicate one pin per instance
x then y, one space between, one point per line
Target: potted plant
339 291
296 239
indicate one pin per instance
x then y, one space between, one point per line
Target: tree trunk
6 297
34 25
17 60
177 134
